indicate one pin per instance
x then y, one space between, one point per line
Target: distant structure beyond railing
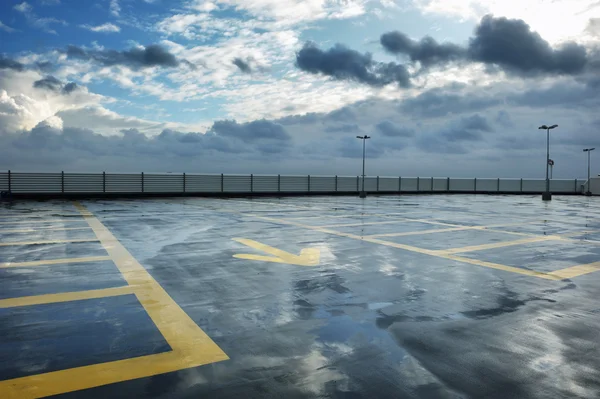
115 184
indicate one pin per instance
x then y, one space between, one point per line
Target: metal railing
185 183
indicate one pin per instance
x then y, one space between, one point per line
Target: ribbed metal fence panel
124 183
163 183
370 184
424 183
36 182
409 184
3 181
562 186
294 184
237 183
534 186
487 185
510 185
203 183
265 184
462 185
440 184
388 184
347 184
322 183
83 183
55 183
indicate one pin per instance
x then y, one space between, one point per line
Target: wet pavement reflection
413 297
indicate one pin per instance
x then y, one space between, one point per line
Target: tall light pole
546 196
364 138
588 150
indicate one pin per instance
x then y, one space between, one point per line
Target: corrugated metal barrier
171 183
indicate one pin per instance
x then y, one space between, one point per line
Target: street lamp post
588 150
546 196
364 138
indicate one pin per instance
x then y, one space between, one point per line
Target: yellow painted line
44 221
43 229
307 257
191 347
418 250
54 261
44 242
410 233
361 224
496 245
63 297
575 271
526 272
278 204
349 215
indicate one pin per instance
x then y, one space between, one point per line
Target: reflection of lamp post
546 196
364 139
588 150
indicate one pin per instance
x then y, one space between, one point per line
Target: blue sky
446 87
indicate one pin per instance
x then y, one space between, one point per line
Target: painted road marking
44 221
54 261
44 242
331 226
415 249
496 245
527 272
52 228
550 276
575 271
412 233
191 347
307 257
63 297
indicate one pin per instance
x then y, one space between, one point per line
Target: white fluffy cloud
556 20
106 28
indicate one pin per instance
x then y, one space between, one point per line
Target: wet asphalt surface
370 321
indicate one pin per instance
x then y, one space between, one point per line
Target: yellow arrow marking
307 257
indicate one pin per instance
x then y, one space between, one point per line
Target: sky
453 88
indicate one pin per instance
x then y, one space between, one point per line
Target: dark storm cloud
390 129
150 56
70 87
443 102
342 63
506 43
512 44
427 51
475 122
571 95
503 118
261 132
44 66
8 63
242 65
53 84
343 114
263 138
49 83
345 128
350 147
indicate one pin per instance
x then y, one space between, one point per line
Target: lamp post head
588 149
543 127
553 126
